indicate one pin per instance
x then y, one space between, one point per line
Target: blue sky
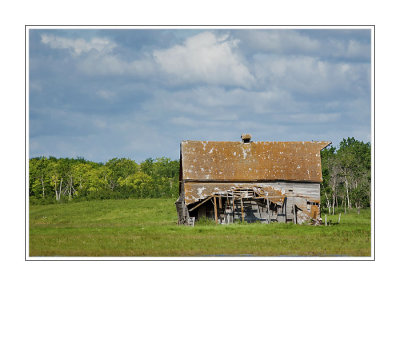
101 94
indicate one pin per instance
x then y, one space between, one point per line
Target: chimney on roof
246 137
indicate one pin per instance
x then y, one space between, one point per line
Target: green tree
346 175
141 184
119 169
38 178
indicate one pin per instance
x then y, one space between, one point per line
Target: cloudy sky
101 94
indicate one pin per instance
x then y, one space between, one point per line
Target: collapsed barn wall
196 191
252 202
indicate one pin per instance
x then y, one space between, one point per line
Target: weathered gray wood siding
182 210
306 189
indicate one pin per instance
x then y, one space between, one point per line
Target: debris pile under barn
250 181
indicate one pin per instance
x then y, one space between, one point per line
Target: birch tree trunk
70 188
55 189
41 179
346 182
328 204
59 193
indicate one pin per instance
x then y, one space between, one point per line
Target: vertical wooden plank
215 210
269 214
232 205
219 201
285 204
241 206
233 208
294 214
227 214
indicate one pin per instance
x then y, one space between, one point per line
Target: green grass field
147 227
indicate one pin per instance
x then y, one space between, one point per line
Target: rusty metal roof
254 161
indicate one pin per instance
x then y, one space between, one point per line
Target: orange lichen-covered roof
254 161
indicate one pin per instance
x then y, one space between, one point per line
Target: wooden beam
241 207
208 198
215 210
219 201
226 215
285 204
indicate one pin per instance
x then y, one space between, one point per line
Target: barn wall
299 203
182 210
309 190
196 191
303 195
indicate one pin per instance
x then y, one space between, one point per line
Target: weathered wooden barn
249 181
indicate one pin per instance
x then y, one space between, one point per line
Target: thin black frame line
374 153
193 25
25 156
180 260
129 260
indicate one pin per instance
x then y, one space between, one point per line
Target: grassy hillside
147 227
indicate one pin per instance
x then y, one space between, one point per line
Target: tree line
60 179
346 174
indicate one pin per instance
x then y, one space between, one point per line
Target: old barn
249 181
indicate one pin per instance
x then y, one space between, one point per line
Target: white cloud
105 94
357 49
99 58
205 58
196 121
280 41
185 121
310 75
218 103
79 45
299 43
312 117
114 65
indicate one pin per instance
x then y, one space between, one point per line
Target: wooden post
201 203
233 208
269 215
285 204
294 214
339 218
325 221
241 207
226 216
215 210
219 201
227 206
